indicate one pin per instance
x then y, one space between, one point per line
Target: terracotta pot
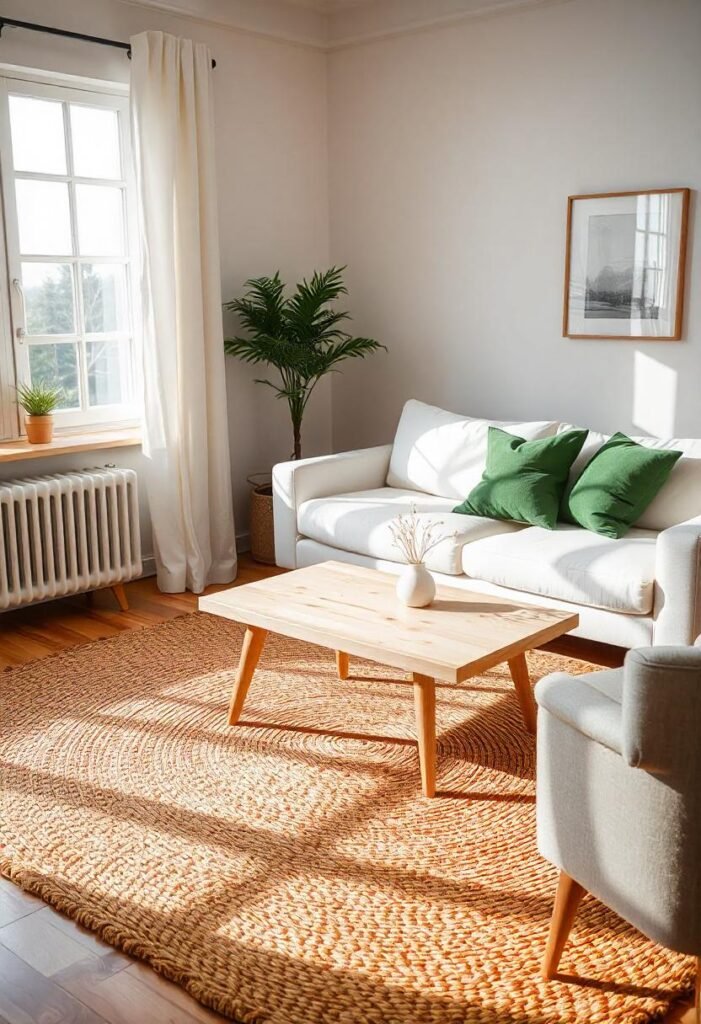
40 429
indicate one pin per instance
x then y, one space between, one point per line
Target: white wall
452 153
273 199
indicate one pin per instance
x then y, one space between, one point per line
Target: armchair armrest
678 584
296 482
582 707
662 712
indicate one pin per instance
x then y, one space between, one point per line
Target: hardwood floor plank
27 997
45 948
15 903
174 994
124 999
88 940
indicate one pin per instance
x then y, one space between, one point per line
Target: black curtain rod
68 35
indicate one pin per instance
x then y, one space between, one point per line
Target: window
68 226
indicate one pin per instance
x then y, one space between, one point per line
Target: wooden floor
51 970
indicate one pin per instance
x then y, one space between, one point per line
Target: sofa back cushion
441 453
679 499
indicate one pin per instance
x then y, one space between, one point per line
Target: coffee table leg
524 690
342 664
250 653
425 704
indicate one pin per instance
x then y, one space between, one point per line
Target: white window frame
14 354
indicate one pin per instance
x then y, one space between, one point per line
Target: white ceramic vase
416 587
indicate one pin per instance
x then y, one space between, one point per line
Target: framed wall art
624 264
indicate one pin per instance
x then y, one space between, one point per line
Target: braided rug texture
288 870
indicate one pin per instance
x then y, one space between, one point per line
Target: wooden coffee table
354 611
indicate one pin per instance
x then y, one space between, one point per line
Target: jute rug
288 870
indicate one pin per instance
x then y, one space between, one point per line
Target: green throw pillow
617 485
524 480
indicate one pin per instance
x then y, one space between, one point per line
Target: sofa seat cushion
360 522
570 564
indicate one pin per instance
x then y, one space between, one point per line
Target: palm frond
261 308
261 349
306 311
349 348
300 336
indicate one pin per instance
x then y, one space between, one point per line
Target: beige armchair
619 795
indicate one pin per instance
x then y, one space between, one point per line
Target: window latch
20 331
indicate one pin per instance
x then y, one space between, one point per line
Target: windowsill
64 444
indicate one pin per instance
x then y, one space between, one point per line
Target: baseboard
148 565
148 562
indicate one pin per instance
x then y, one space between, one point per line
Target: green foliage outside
299 336
51 311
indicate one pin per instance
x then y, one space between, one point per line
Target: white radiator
67 533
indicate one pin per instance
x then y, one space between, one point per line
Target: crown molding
327 26
325 6
278 20
381 21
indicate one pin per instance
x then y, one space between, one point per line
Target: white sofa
640 590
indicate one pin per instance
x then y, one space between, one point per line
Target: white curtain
186 438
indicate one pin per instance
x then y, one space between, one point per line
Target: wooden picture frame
625 265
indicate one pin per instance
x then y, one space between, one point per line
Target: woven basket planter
262 534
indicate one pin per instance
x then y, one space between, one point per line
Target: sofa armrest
296 482
678 584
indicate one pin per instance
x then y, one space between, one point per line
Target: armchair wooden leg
342 664
121 595
567 899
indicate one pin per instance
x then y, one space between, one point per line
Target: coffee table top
353 609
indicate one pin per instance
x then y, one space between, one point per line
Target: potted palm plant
300 336
39 402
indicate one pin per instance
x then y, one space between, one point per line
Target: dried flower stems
415 537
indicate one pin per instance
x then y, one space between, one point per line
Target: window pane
100 220
57 365
104 297
44 218
38 142
106 361
48 298
95 135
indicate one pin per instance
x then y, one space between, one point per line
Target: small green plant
300 336
39 399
